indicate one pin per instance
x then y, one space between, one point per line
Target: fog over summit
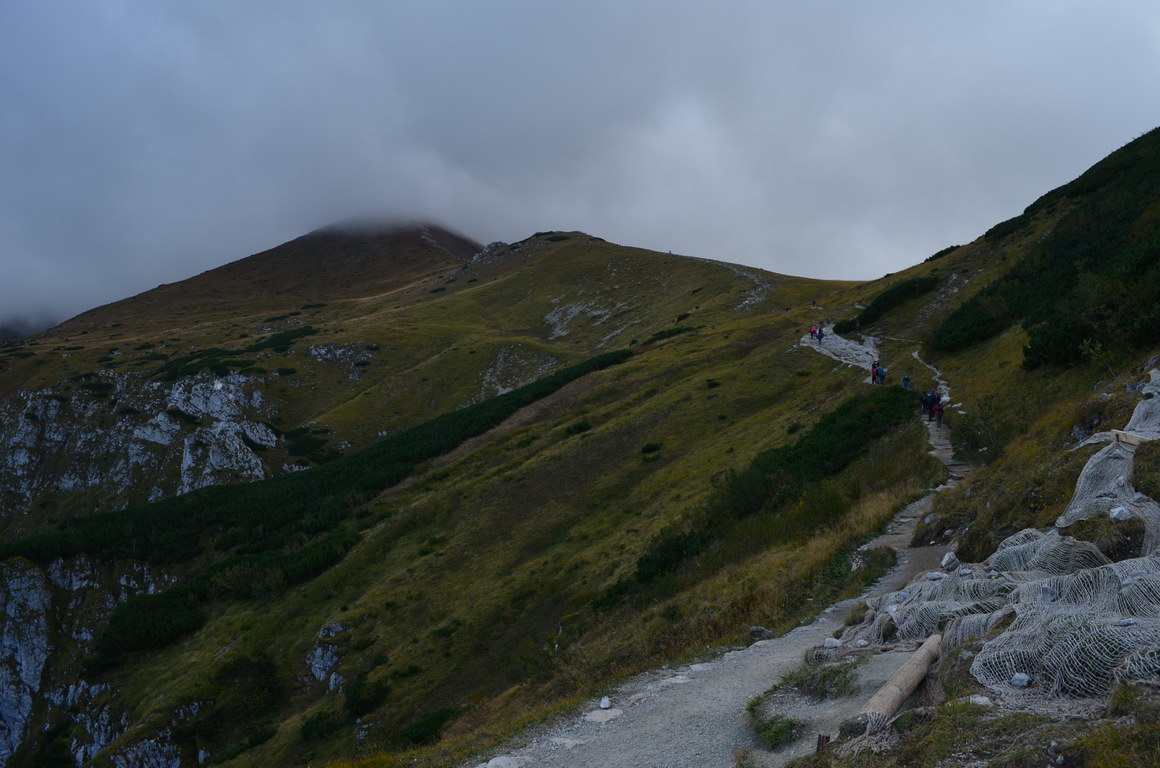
141 143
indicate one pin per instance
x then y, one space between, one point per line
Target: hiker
906 381
881 375
926 404
821 335
874 372
935 398
938 412
813 331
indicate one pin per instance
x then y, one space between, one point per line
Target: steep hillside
207 381
95 430
488 482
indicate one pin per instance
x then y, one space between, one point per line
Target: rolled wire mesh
1058 621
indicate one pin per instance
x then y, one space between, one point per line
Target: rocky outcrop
48 622
24 649
130 439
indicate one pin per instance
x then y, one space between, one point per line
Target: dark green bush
669 333
363 697
318 726
1093 282
427 728
149 621
55 750
886 301
940 254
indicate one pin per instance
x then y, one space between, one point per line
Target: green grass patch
785 483
823 681
773 732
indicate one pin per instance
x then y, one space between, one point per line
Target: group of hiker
932 406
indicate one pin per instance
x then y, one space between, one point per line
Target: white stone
603 715
606 703
982 701
832 642
935 576
1020 680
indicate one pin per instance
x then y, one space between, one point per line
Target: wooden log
883 704
1128 437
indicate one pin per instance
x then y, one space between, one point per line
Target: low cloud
143 142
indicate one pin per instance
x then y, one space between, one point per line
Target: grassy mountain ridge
472 596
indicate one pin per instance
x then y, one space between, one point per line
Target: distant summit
350 260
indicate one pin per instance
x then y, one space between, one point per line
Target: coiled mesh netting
1105 485
1057 620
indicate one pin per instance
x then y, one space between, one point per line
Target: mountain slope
717 476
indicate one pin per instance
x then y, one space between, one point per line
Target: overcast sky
144 141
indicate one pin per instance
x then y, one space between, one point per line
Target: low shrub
427 728
318 726
669 333
823 681
363 697
773 732
886 301
149 621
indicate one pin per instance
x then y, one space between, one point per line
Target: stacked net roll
1105 485
1055 622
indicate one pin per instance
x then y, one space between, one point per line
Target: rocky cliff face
107 440
47 626
119 439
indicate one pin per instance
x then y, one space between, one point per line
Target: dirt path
694 715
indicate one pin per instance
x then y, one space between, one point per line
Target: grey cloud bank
142 142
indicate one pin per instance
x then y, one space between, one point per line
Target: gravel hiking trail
694 715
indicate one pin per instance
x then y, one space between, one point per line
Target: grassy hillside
471 585
628 515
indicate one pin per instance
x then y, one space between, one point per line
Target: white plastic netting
1145 420
1105 485
1058 622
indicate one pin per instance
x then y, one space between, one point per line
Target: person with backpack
874 372
937 409
821 334
906 381
813 331
881 375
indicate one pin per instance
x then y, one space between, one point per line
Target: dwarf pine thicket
1093 282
